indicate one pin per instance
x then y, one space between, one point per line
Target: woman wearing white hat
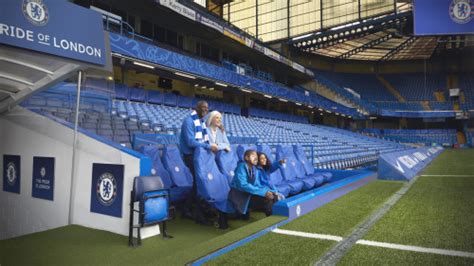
217 133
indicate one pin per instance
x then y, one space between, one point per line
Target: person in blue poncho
265 168
247 186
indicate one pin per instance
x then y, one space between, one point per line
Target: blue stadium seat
242 148
227 162
153 207
212 185
177 193
155 97
169 99
137 94
179 172
293 170
308 166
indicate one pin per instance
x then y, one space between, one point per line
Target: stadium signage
210 23
452 17
179 8
107 189
55 27
11 173
229 32
43 178
405 165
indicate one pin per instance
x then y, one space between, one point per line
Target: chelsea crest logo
36 12
11 174
460 11
106 189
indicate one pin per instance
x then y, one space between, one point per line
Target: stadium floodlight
221 84
283 100
244 90
143 65
184 75
267 96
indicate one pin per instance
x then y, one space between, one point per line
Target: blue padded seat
242 148
155 97
293 170
177 193
169 99
308 167
212 185
227 162
137 94
179 172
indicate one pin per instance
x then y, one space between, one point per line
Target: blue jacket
243 187
187 140
265 175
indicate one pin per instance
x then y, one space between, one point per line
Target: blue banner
107 189
405 165
418 114
443 17
11 173
43 178
56 27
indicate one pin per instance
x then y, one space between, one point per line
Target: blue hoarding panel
55 27
443 17
405 165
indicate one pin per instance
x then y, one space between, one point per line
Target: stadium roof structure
24 72
387 37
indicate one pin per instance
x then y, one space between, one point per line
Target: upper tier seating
418 136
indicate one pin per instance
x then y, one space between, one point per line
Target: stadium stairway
426 105
391 89
461 137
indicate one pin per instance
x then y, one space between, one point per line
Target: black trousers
188 204
262 203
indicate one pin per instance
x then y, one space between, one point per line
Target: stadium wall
28 134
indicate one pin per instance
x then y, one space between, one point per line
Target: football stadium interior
363 108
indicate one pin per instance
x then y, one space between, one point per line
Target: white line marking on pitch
438 251
451 175
417 249
308 235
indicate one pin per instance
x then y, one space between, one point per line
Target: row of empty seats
327 147
123 92
414 88
419 136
